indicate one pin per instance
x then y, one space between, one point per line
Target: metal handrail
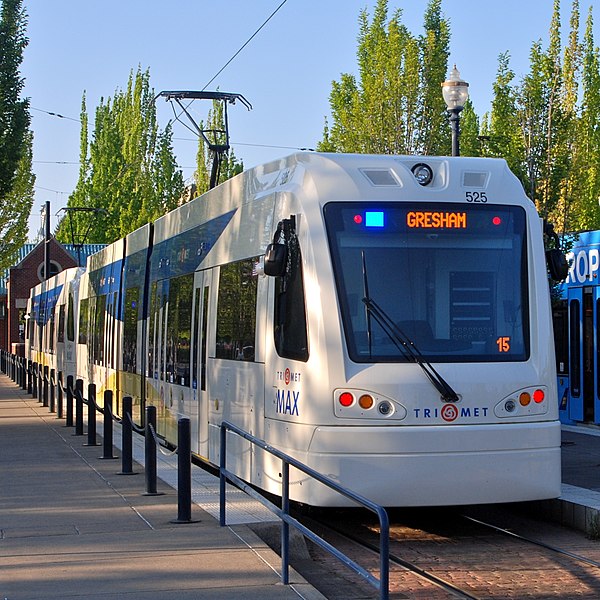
381 584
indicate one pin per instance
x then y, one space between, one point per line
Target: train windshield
449 278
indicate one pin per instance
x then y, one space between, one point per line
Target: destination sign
422 219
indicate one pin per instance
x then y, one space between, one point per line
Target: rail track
482 553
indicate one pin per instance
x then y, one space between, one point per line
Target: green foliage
548 125
16 178
16 206
128 173
395 106
215 132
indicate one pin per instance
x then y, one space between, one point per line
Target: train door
202 287
584 303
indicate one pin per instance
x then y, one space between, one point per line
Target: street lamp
455 92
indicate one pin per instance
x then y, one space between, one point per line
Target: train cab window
236 311
83 321
290 325
450 278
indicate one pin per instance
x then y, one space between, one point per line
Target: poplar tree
587 213
128 174
16 178
395 105
434 131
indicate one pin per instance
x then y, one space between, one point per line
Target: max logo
287 402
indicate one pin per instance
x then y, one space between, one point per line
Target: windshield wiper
403 342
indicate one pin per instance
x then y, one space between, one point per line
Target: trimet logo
449 412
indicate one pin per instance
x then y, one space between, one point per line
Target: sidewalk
72 527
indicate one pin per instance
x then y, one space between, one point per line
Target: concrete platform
72 527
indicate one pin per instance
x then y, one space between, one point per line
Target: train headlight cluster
525 402
355 404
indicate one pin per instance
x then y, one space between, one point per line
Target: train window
152 331
179 330
236 311
203 339
60 337
574 344
100 325
196 339
452 278
83 321
132 299
71 319
290 327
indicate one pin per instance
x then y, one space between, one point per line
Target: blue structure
577 333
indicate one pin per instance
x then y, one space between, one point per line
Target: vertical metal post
79 407
23 373
285 527
455 125
69 418
29 376
47 238
40 386
127 438
222 481
150 452
184 472
107 440
91 435
45 384
59 400
52 386
34 381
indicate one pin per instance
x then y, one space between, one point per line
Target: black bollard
45 384
127 438
79 407
59 396
184 472
29 377
23 373
150 452
40 383
52 390
69 417
34 380
91 435
107 438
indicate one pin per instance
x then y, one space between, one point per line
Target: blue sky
285 72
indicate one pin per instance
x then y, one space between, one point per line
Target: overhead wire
54 114
244 45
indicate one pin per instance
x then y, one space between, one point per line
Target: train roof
349 176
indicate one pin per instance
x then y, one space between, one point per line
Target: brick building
28 272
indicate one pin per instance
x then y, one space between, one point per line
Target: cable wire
245 44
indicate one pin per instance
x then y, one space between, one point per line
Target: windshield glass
451 277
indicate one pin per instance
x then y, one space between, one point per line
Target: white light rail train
384 319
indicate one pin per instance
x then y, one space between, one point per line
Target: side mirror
557 264
275 260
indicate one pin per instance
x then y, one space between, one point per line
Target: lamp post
455 92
